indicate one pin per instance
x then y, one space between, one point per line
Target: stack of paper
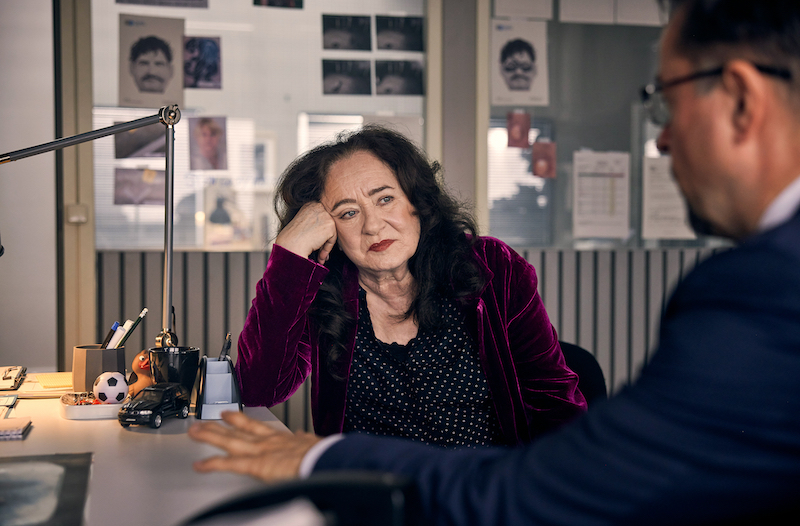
10 377
14 428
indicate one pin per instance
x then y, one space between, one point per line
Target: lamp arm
88 136
169 116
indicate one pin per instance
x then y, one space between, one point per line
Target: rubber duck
141 375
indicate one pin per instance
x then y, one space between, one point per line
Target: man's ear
171 70
748 90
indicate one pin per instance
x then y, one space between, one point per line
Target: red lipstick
383 245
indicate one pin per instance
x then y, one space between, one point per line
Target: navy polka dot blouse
432 390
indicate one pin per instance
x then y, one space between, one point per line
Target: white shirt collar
782 208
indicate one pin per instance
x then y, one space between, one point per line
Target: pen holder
175 365
218 390
90 361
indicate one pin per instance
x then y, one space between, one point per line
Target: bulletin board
608 185
246 73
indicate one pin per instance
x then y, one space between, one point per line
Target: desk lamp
169 116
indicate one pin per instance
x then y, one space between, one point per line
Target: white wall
28 312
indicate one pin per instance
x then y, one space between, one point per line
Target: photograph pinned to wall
346 32
519 69
346 77
168 3
150 63
399 77
208 143
202 63
543 159
138 186
227 227
401 33
293 4
518 125
542 9
148 141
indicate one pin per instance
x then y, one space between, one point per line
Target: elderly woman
408 322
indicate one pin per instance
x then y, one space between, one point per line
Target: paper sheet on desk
31 388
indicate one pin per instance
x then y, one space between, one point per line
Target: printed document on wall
664 213
601 195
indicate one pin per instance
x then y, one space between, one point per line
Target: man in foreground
711 430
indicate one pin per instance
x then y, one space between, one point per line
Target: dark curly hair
443 264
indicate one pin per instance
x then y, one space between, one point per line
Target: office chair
591 380
343 499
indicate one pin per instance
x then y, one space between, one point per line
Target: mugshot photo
401 33
519 73
202 63
208 143
150 61
292 4
346 32
399 77
346 77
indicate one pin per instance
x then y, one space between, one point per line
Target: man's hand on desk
253 447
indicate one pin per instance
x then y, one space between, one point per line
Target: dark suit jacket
709 432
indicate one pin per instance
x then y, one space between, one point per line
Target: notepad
14 428
55 380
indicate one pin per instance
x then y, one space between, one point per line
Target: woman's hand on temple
311 229
253 448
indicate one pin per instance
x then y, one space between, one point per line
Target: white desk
139 475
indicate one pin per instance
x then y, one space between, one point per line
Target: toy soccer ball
110 388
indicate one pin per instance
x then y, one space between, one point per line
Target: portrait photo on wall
346 77
150 63
295 4
167 3
202 63
148 141
519 72
518 125
208 143
346 32
138 186
543 159
399 77
401 33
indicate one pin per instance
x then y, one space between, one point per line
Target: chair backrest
591 380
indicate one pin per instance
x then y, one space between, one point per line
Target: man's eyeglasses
653 94
513 66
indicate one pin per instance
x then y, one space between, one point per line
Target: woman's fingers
311 229
325 250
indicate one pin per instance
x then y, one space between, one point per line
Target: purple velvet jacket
532 388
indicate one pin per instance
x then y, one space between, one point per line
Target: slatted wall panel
608 302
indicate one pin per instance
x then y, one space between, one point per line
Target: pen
132 327
225 347
104 345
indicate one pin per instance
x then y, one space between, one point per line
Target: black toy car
153 403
